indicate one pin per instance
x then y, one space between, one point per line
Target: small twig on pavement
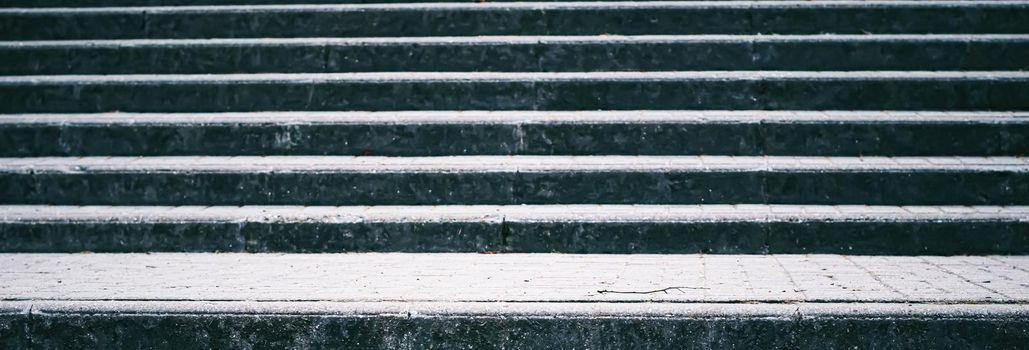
662 290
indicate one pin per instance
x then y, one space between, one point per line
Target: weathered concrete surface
827 52
390 91
438 133
721 229
338 180
474 300
564 18
435 277
181 325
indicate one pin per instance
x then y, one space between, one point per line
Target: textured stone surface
477 300
722 229
371 277
108 3
519 54
427 133
788 90
337 180
588 18
475 325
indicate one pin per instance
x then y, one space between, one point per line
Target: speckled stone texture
514 180
592 18
164 169
517 91
398 332
407 301
519 54
743 133
719 229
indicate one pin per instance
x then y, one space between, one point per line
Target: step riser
110 3
107 330
519 20
744 139
768 93
123 3
815 237
753 187
958 54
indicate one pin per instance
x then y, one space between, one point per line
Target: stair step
512 300
545 18
667 229
519 54
429 133
797 90
344 180
136 3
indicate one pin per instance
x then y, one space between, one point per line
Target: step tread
28 214
528 5
515 117
434 277
389 77
415 310
502 164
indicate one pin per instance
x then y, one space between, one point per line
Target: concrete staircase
714 140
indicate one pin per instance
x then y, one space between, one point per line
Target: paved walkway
399 277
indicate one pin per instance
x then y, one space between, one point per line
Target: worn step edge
865 310
169 3
563 5
707 213
502 164
514 118
515 40
137 3
399 77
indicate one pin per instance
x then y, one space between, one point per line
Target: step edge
507 77
511 118
487 6
503 164
515 40
648 309
497 214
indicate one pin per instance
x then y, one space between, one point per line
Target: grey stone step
134 3
342 180
428 133
546 18
519 54
776 90
393 301
665 229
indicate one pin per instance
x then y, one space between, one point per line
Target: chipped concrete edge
512 118
522 309
713 213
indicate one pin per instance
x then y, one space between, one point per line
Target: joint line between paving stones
952 273
325 57
875 276
793 282
247 238
1016 267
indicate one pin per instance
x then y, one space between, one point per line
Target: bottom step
391 301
